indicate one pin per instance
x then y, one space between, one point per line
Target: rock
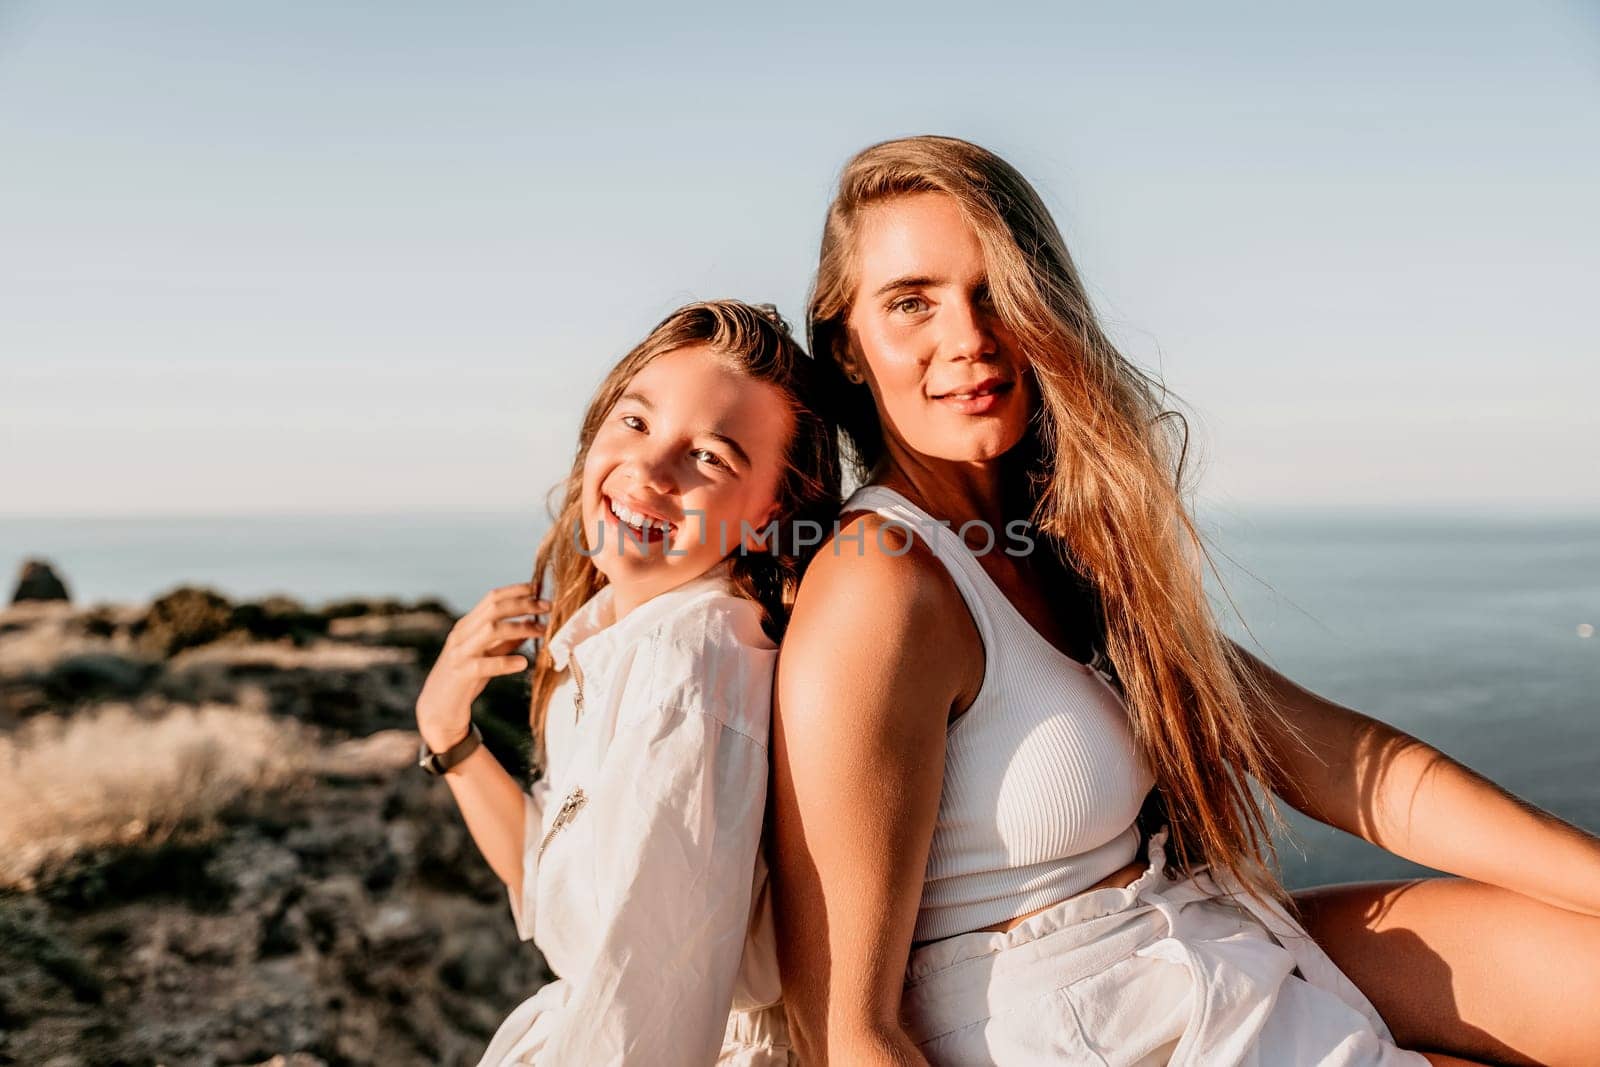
39 581
345 686
357 606
85 676
279 617
398 933
333 910
35 948
471 961
284 931
353 689
184 618
255 872
213 941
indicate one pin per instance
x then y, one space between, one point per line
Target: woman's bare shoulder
877 564
877 609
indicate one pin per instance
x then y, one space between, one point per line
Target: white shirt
649 899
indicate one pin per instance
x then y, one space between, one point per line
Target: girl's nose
653 469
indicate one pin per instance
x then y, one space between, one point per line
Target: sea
1475 633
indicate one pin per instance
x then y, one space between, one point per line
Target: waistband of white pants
958 980
1071 915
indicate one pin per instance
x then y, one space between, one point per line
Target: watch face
427 760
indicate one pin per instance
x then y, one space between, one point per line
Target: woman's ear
849 362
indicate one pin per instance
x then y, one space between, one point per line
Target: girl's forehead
701 385
694 366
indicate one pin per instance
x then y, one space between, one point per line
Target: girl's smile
644 524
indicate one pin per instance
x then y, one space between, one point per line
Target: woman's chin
979 448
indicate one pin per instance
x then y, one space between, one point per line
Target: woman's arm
1369 779
868 675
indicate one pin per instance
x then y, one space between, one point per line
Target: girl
964 871
634 863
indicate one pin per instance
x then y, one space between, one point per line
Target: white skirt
1157 972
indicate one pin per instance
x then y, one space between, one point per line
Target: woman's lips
980 400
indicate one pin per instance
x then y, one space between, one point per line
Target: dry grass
111 776
285 656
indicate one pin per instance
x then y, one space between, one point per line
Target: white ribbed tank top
1042 779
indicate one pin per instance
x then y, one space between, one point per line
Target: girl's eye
909 305
705 455
633 422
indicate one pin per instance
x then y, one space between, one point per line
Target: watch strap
439 762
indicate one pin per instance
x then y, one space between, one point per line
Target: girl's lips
981 402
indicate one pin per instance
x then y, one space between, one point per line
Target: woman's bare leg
1467 969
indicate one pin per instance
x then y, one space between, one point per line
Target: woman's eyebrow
908 281
638 398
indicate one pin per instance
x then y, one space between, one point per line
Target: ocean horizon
1465 630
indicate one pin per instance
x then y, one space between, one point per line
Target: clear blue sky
372 257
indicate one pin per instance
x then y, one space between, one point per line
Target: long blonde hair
1104 460
758 342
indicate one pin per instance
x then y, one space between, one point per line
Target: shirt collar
591 626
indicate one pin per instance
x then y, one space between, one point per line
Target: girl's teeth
637 521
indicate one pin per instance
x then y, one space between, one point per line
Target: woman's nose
968 333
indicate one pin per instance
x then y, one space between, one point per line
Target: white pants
758 1038
1157 972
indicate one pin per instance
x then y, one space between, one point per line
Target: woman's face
945 373
686 460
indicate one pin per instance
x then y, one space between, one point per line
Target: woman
964 871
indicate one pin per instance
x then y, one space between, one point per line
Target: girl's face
683 469
944 371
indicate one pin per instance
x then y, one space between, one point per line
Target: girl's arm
500 816
867 679
1369 779
479 648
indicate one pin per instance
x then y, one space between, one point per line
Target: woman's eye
633 422
705 455
909 305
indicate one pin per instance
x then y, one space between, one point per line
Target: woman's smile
983 398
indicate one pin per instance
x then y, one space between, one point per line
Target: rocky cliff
214 848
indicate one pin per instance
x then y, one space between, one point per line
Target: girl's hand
478 648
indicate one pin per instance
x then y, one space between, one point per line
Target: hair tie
770 313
